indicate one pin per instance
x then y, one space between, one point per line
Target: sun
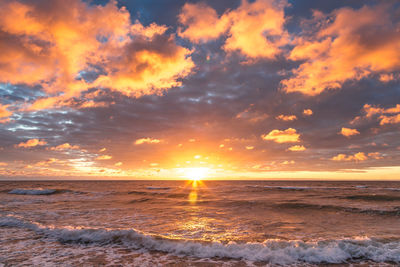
195 174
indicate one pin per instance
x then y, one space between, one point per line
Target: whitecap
273 251
35 191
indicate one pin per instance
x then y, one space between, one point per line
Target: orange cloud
255 29
297 148
51 45
32 143
104 157
4 113
147 141
286 117
349 132
345 49
65 146
289 135
201 23
360 156
386 116
389 119
249 147
307 112
375 155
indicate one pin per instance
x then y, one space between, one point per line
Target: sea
199 223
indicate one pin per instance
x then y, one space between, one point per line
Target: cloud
32 143
297 148
104 157
65 146
360 156
54 45
349 132
375 155
389 119
286 117
147 140
254 29
289 135
4 114
344 49
307 112
118 164
385 116
201 23
103 149
249 147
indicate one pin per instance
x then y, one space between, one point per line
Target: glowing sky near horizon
202 89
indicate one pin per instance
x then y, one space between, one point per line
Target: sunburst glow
196 174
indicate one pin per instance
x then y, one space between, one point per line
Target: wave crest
36 191
272 251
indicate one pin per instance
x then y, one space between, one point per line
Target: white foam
272 251
36 191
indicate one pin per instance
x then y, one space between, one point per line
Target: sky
153 89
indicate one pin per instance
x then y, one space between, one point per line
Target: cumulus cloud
286 117
289 135
297 148
389 119
147 140
201 22
255 29
360 156
104 157
65 146
307 112
32 143
52 44
384 115
343 48
348 132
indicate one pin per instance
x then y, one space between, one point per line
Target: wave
391 189
159 194
273 251
40 191
37 191
373 197
298 206
140 200
158 188
300 188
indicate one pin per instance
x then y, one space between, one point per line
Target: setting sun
195 174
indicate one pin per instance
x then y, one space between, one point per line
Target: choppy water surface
229 223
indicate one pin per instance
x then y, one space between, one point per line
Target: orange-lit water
212 222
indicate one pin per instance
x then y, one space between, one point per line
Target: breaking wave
272 251
37 191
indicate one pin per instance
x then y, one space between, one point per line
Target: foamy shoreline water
229 223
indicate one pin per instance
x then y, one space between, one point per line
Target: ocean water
210 223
